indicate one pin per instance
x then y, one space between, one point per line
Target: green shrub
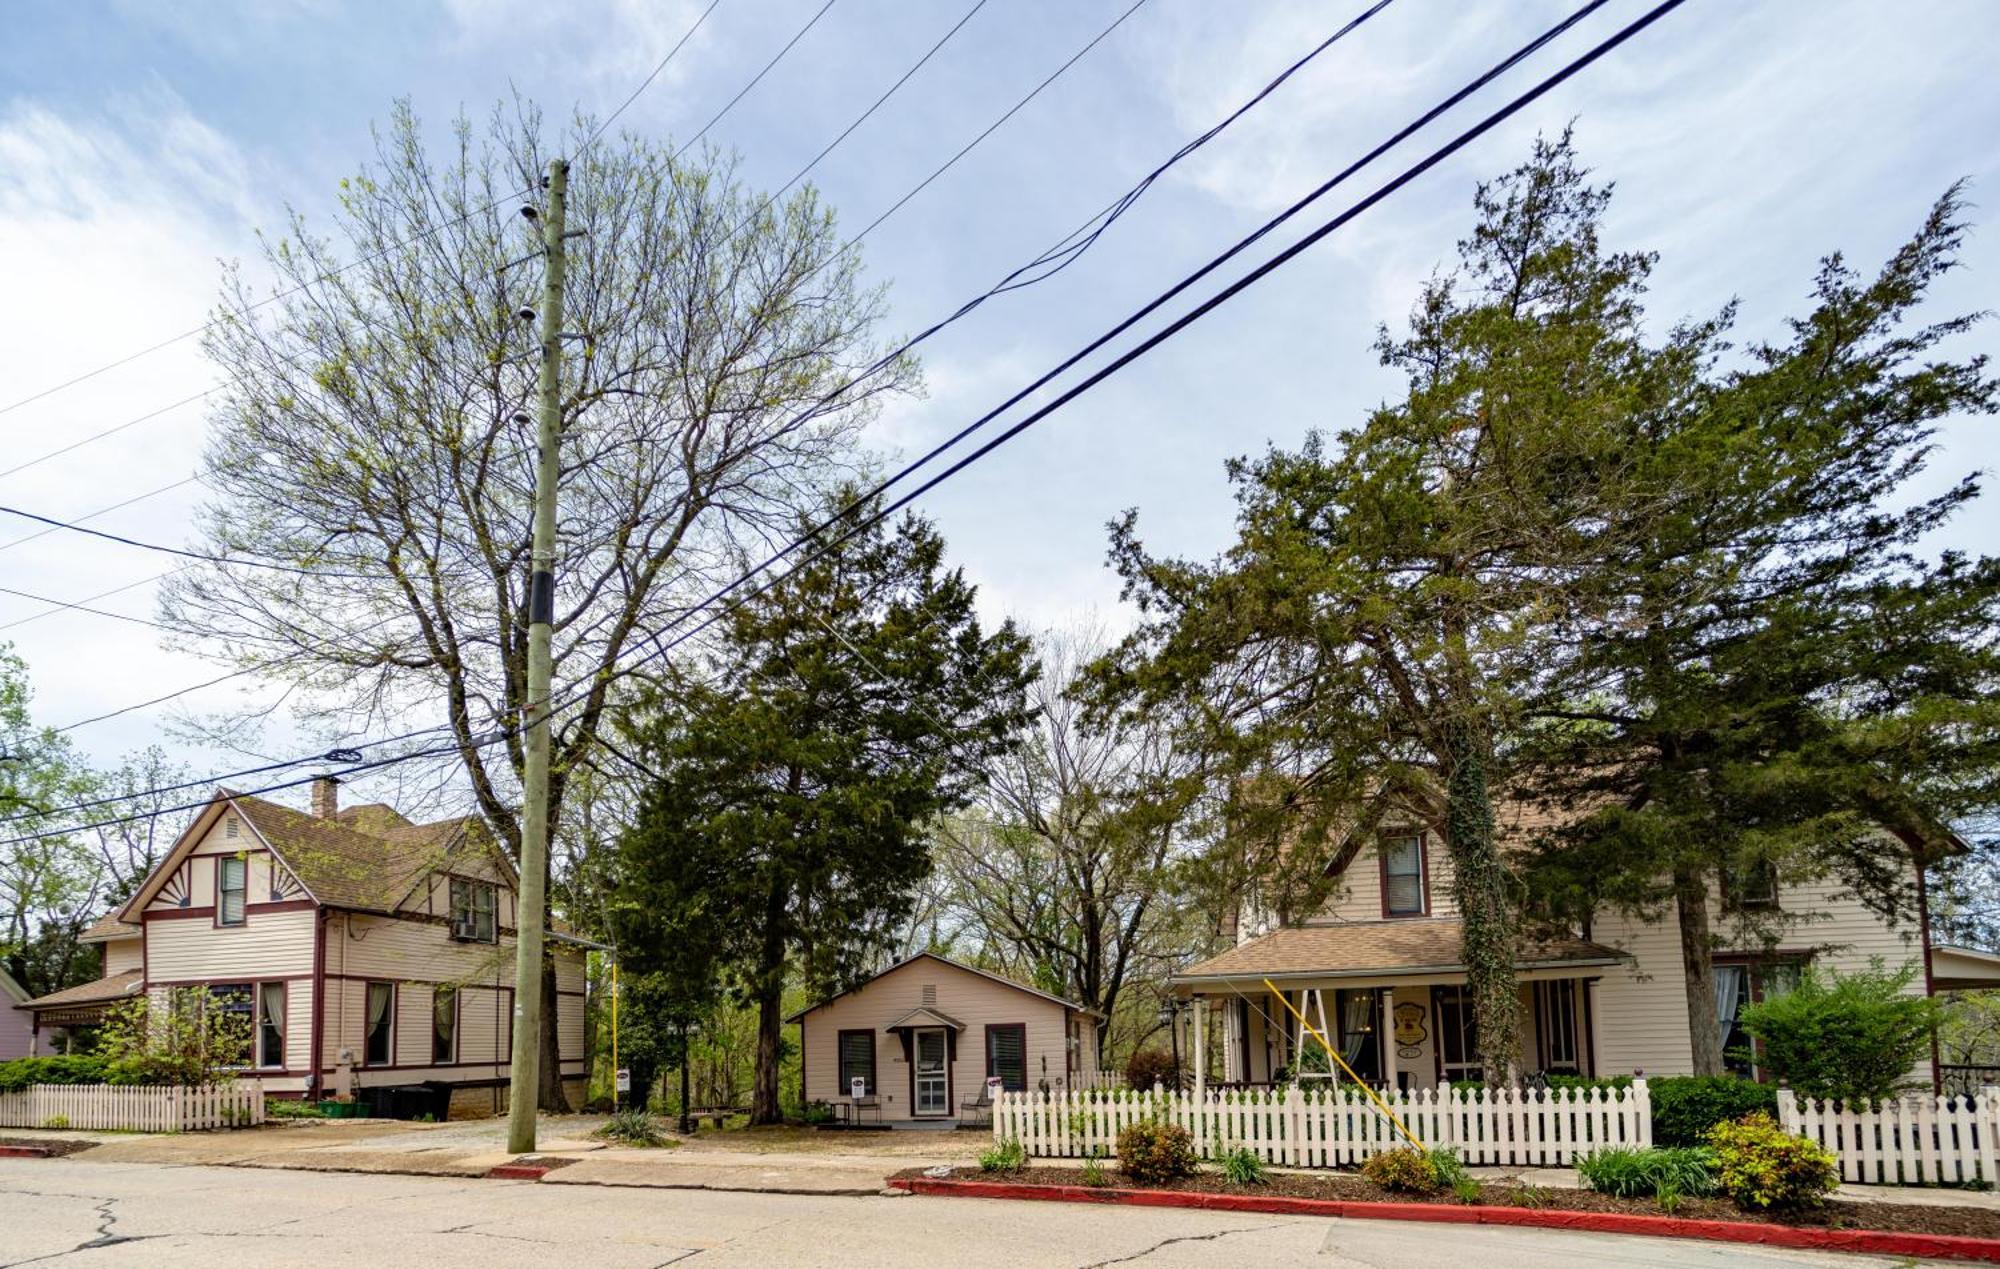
279 1108
23 1072
1243 1166
1609 1083
1406 1170
1007 1156
818 1113
56 1121
1761 1166
635 1127
1467 1189
1150 1152
1093 1173
1147 1067
1675 1170
1847 1036
1685 1107
1529 1196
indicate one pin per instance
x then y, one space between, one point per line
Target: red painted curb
516 1172
1877 1242
24 1152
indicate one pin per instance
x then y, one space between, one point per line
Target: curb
1877 1242
24 1152
517 1172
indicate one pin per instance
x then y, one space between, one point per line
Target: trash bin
439 1101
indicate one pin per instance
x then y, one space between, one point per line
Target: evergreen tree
799 761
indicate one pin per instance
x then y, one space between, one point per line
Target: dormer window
1403 876
475 907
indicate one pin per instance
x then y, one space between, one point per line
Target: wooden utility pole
530 917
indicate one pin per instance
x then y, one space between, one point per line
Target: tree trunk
770 990
550 1096
1479 881
1698 969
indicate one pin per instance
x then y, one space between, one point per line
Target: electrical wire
647 82
1409 174
811 22
172 550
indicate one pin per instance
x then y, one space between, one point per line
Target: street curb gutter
24 1152
1876 1242
517 1172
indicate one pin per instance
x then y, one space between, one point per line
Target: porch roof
925 1016
100 991
1963 968
1378 949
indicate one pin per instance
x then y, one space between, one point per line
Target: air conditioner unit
465 930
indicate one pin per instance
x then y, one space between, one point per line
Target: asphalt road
73 1213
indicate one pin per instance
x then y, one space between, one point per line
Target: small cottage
919 1042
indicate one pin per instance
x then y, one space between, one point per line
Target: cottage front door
933 1090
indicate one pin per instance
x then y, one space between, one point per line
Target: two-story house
366 949
1378 969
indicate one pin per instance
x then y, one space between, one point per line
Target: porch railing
1339 1127
127 1108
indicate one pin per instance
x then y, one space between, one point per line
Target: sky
144 145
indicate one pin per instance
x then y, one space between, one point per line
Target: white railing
1339 1127
1098 1080
133 1108
1916 1140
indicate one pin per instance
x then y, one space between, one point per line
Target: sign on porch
1410 1033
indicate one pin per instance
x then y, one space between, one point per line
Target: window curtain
1729 982
271 1009
1354 1026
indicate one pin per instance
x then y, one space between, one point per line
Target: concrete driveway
71 1213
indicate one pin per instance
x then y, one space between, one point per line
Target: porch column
1200 1048
1385 1037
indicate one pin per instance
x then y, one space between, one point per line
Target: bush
1093 1173
1156 1152
635 1128
1685 1107
24 1072
1007 1156
280 1108
819 1113
1243 1166
1676 1171
189 1042
1405 1171
1761 1166
1584 1083
1853 1037
1147 1067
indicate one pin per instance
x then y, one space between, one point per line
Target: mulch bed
54 1147
1968 1222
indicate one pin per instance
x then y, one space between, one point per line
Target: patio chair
978 1110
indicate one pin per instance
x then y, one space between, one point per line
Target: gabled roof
925 1016
944 960
108 927
368 858
108 988
1378 949
12 990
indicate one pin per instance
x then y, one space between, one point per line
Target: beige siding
121 955
970 998
1359 896
266 945
1642 1011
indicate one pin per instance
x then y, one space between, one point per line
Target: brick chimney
326 797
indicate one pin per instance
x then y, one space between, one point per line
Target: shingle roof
1376 949
368 858
110 987
109 926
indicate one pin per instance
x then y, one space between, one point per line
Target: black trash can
438 1101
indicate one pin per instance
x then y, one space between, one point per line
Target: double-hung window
474 910
1403 876
235 999
444 1025
1007 1054
271 1025
231 885
857 1062
378 1047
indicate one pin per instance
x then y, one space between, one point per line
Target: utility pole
530 918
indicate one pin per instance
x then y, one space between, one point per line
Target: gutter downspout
318 1001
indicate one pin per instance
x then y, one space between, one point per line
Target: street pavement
74 1213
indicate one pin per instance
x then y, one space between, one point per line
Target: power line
647 82
104 511
88 599
378 254
109 431
170 550
1327 227
757 79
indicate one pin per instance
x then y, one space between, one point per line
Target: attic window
229 828
930 995
474 909
1403 876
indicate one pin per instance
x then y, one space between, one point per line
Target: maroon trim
446 1066
177 914
1423 876
457 1012
910 1052
1879 1242
840 1077
434 982
208 982
320 924
365 1064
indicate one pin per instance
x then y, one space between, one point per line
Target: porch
1391 997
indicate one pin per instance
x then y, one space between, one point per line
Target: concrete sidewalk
473 1148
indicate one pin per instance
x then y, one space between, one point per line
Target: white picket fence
131 1108
1916 1140
1339 1127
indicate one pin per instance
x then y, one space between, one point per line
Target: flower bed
1961 1222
